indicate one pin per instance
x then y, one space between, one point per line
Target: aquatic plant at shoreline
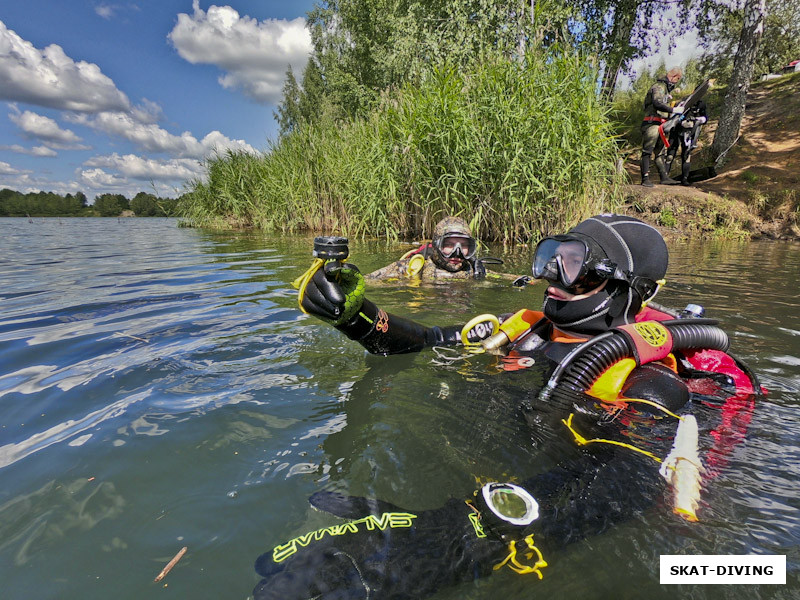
519 148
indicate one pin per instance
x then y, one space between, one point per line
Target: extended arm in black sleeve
384 333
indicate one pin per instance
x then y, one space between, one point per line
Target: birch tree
739 84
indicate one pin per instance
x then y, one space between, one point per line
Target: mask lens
510 503
559 260
451 245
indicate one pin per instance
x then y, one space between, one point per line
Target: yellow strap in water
518 567
582 441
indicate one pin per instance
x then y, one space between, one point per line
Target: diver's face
557 293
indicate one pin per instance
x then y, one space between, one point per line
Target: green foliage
288 113
110 205
750 178
720 25
518 148
667 218
365 47
144 205
49 204
41 204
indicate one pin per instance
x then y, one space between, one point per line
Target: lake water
159 388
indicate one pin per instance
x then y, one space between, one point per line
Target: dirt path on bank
757 192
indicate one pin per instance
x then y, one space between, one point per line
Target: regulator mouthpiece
331 247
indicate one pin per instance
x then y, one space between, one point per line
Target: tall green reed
519 148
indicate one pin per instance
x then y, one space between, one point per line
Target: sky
103 96
129 96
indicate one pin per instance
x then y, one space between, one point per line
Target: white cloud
104 10
43 151
254 54
147 112
109 11
7 169
147 169
51 78
152 138
43 128
97 179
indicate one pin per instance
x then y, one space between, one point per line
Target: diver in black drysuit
442 548
426 550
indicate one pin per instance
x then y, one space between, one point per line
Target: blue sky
125 96
128 96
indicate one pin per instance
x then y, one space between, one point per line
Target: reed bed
519 148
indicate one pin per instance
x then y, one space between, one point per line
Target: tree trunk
618 46
733 106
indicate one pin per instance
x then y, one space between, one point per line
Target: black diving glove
380 551
479 265
334 293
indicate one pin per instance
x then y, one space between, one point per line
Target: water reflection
159 388
33 523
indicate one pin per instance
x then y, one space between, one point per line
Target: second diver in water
451 254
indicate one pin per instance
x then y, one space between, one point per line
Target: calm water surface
160 389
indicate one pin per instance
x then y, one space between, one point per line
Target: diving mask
576 262
506 509
569 260
456 245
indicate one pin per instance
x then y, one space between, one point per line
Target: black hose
581 369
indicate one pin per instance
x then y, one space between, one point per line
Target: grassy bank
519 149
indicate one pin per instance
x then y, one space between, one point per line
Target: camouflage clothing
656 111
451 225
656 103
429 272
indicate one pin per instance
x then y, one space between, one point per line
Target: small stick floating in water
171 564
133 337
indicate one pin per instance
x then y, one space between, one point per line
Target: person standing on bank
656 111
685 137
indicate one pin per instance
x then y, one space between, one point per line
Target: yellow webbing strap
415 265
652 403
301 282
582 441
518 567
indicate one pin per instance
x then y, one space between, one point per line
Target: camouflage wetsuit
429 271
656 111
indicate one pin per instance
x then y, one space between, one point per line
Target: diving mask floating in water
455 245
506 509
